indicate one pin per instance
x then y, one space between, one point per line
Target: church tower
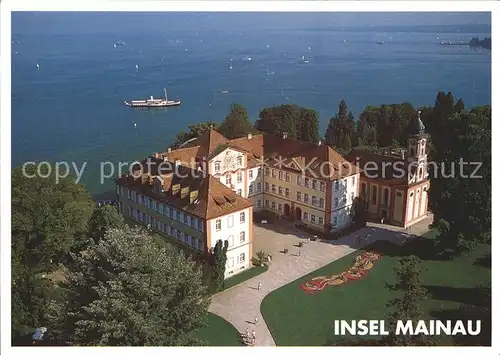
417 150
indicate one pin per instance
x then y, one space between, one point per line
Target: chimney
249 136
319 143
169 150
284 135
193 195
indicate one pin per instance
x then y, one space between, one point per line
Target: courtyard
240 304
297 318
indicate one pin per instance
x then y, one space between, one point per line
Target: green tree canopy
103 219
128 290
409 305
48 220
298 122
236 124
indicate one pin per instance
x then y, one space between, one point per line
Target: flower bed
362 265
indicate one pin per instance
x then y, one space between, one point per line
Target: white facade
229 168
344 191
255 179
236 230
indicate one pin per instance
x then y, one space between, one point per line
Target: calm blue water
71 109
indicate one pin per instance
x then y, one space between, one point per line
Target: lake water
71 109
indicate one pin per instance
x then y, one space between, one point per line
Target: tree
128 290
407 307
103 219
298 122
308 123
48 220
194 131
236 123
219 259
463 195
341 128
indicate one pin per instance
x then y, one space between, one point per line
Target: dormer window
240 160
217 166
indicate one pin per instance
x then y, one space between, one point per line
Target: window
420 171
315 184
259 203
228 179
280 175
217 225
240 160
187 220
334 221
181 216
386 197
242 217
353 180
250 189
169 230
250 174
200 226
171 213
230 263
230 221
306 198
239 177
306 216
273 205
374 195
352 196
259 186
287 177
273 173
299 196
217 166
242 237
280 207
280 190
411 195
287 192
181 236
177 215
320 220
299 180
267 203
336 185
230 240
194 223
188 239
313 218
336 202
273 188
239 192
321 202
266 172
306 182
128 194
241 258
314 200
267 186
322 186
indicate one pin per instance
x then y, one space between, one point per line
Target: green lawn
296 318
218 332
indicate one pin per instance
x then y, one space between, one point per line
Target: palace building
207 189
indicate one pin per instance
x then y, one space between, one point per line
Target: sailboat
136 66
37 66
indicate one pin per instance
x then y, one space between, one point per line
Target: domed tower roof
416 127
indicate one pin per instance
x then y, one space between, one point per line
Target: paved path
241 304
